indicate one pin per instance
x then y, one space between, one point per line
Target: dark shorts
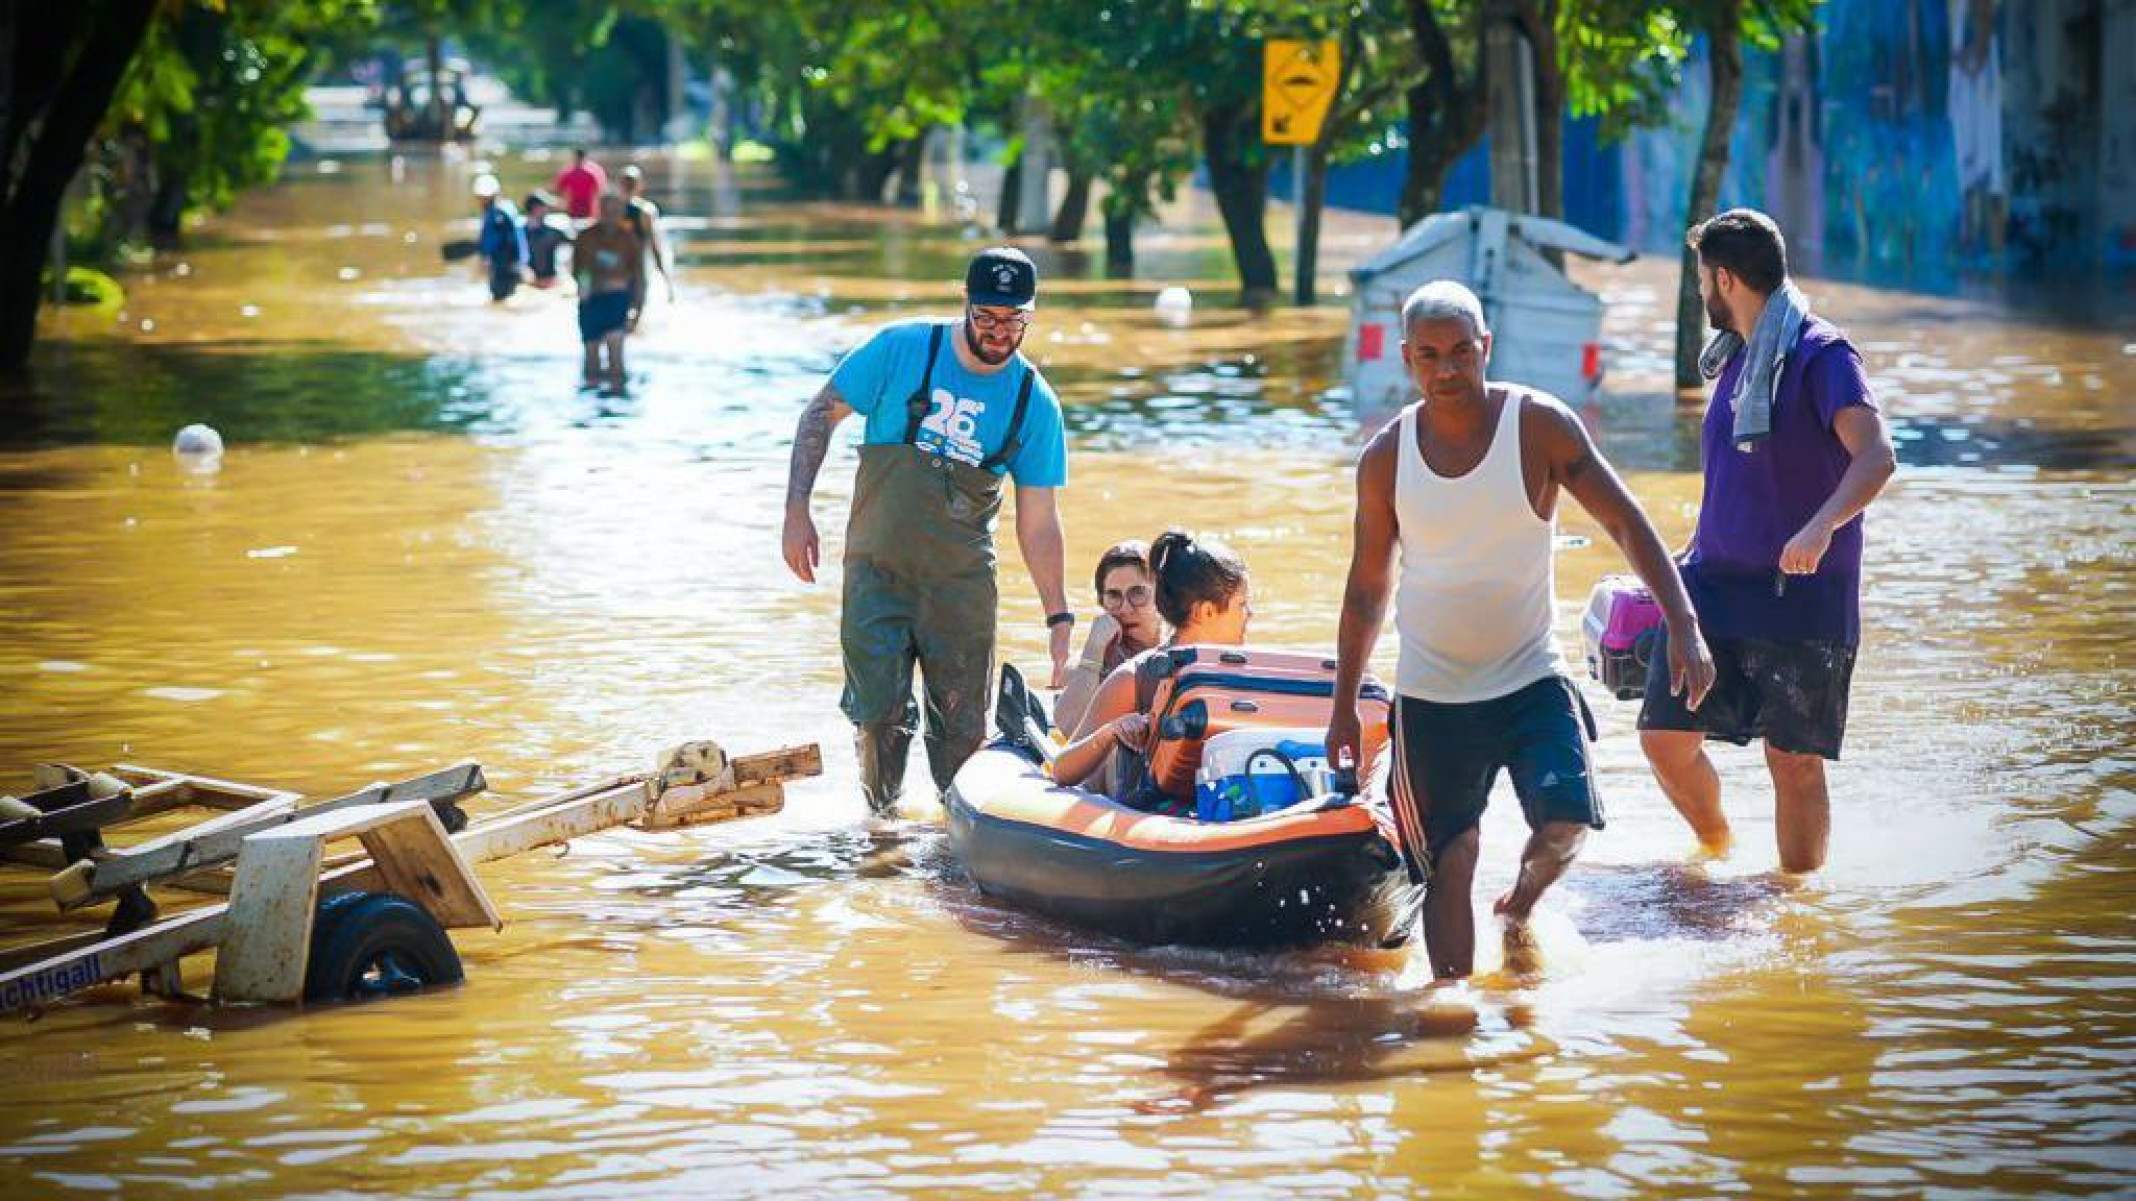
602 314
1447 757
503 280
1791 694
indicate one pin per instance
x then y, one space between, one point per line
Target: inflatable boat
1323 869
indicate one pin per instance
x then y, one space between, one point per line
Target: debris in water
348 273
271 552
198 449
1175 307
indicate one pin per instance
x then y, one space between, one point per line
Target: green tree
1726 25
204 109
65 62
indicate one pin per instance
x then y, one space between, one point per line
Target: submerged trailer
1546 330
299 923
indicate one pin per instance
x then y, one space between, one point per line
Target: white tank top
1478 584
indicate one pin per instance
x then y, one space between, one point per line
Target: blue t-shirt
967 417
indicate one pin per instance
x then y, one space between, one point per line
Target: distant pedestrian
609 264
644 218
503 244
581 185
1794 451
546 234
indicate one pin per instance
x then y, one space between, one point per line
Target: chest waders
919 588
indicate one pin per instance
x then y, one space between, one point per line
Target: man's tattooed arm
812 441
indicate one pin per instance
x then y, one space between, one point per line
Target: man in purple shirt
1774 567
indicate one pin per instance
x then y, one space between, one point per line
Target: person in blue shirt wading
950 409
503 243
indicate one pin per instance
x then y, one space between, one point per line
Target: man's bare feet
1523 951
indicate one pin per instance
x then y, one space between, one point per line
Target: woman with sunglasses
1127 626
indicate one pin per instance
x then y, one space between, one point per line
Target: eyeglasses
991 322
1135 597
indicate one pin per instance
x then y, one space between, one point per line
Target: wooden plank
107 877
228 819
270 919
786 763
74 819
697 805
111 958
214 793
44 854
27 953
416 859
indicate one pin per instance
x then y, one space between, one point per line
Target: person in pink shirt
581 185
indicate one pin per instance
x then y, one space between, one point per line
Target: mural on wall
1794 154
1908 142
1975 103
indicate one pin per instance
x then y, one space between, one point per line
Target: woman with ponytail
1204 595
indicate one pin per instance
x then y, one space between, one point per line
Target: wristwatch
1059 619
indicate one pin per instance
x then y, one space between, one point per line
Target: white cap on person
486 186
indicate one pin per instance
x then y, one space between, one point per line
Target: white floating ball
1175 307
198 448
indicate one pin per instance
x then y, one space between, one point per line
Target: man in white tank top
1465 482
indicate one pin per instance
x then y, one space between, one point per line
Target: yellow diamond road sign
1297 84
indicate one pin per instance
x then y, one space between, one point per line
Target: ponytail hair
1190 570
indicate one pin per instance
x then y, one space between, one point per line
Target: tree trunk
1538 20
1724 49
873 174
434 53
1312 191
1446 116
1075 209
911 160
1312 197
1011 191
65 117
1119 243
1241 189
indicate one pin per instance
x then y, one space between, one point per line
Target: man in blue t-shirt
503 243
951 410
1794 451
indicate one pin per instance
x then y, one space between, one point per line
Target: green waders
919 588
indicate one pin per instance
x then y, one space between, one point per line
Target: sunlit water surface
426 544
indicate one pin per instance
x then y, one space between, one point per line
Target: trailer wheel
376 944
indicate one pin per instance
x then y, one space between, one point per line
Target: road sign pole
1298 207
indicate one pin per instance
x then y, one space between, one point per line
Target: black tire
376 944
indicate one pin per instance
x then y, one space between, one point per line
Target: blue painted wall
1911 142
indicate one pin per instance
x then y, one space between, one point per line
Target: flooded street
427 545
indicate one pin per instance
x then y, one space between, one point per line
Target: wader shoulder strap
922 398
1016 419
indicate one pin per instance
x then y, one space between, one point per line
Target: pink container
1618 634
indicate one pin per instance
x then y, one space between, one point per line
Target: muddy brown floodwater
426 544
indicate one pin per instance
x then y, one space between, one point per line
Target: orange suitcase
1213 690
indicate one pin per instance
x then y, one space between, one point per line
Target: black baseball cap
1002 277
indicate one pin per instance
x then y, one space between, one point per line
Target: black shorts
1447 757
1791 694
602 314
